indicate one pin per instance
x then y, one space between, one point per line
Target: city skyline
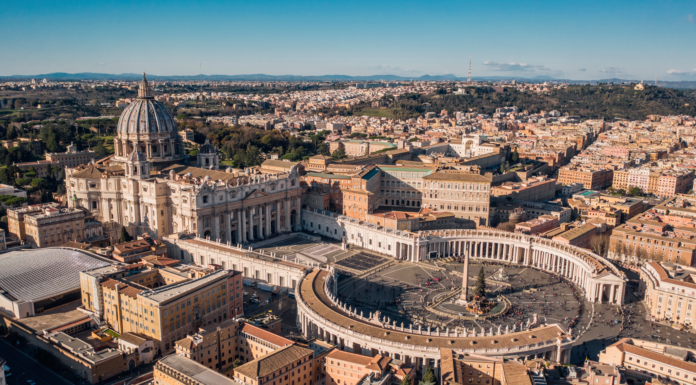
588 41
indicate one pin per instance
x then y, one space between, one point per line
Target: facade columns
260 231
268 219
287 215
216 227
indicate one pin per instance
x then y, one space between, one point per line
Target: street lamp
20 376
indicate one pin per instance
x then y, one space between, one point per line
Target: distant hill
588 102
263 77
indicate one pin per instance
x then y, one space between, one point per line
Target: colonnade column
611 296
268 219
228 227
242 223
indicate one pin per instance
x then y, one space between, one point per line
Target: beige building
288 365
647 359
670 292
212 346
538 189
163 304
54 226
464 369
464 194
70 158
16 219
177 370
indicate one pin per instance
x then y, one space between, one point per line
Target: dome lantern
144 91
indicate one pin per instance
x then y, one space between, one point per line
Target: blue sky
575 40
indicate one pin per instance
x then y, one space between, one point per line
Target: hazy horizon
576 41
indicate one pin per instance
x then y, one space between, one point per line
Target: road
21 363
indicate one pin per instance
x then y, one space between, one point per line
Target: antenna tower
468 78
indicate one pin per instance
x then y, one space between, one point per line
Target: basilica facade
146 187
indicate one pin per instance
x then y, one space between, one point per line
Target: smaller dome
137 156
207 148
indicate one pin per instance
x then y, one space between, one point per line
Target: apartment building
464 369
659 181
163 304
178 370
462 193
620 180
254 342
612 210
212 346
134 251
536 189
656 237
650 359
670 293
593 179
537 226
604 373
579 236
345 368
291 364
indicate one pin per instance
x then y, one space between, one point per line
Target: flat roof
196 371
32 275
173 291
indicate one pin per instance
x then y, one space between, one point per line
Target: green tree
633 191
429 376
515 156
12 133
338 154
480 289
237 362
40 183
406 381
100 151
125 237
23 181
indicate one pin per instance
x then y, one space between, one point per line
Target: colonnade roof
234 250
599 264
312 292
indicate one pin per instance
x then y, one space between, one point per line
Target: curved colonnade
600 280
319 317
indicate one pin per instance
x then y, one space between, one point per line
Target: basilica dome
148 126
145 115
